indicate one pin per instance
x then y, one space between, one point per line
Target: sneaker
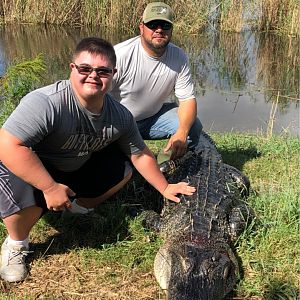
13 266
78 209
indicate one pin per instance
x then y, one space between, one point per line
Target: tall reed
280 15
191 16
231 15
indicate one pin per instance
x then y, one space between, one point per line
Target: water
239 78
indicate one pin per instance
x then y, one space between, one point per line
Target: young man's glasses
158 23
87 70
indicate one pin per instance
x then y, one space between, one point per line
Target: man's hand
187 113
57 197
179 188
177 144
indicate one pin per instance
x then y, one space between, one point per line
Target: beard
157 47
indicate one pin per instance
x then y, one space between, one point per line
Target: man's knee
197 127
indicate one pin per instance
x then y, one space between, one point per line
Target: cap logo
159 10
163 11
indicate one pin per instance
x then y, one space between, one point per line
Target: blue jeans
165 123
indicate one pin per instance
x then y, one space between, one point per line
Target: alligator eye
192 253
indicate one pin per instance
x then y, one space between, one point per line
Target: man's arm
24 163
187 113
147 166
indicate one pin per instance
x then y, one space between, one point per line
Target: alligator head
193 271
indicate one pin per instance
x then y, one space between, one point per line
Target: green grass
110 255
270 253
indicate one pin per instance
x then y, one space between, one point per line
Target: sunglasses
87 70
157 23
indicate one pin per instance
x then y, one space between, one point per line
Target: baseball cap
158 11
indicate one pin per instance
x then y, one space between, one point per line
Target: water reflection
241 76
55 42
237 76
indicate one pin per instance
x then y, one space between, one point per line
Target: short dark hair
98 46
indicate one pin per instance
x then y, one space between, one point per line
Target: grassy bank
229 15
110 255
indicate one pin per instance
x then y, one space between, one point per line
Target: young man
69 139
150 68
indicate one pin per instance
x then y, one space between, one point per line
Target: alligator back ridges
208 207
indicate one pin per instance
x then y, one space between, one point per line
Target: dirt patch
64 277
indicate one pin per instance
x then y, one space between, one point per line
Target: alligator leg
151 220
240 218
241 181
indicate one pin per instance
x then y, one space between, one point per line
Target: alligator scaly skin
196 260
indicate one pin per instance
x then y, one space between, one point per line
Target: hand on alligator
177 144
179 188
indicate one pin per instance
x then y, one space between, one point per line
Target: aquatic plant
19 79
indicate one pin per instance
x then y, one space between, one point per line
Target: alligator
197 260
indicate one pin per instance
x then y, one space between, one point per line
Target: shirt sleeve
32 119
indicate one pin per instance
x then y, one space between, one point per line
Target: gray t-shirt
143 83
63 133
